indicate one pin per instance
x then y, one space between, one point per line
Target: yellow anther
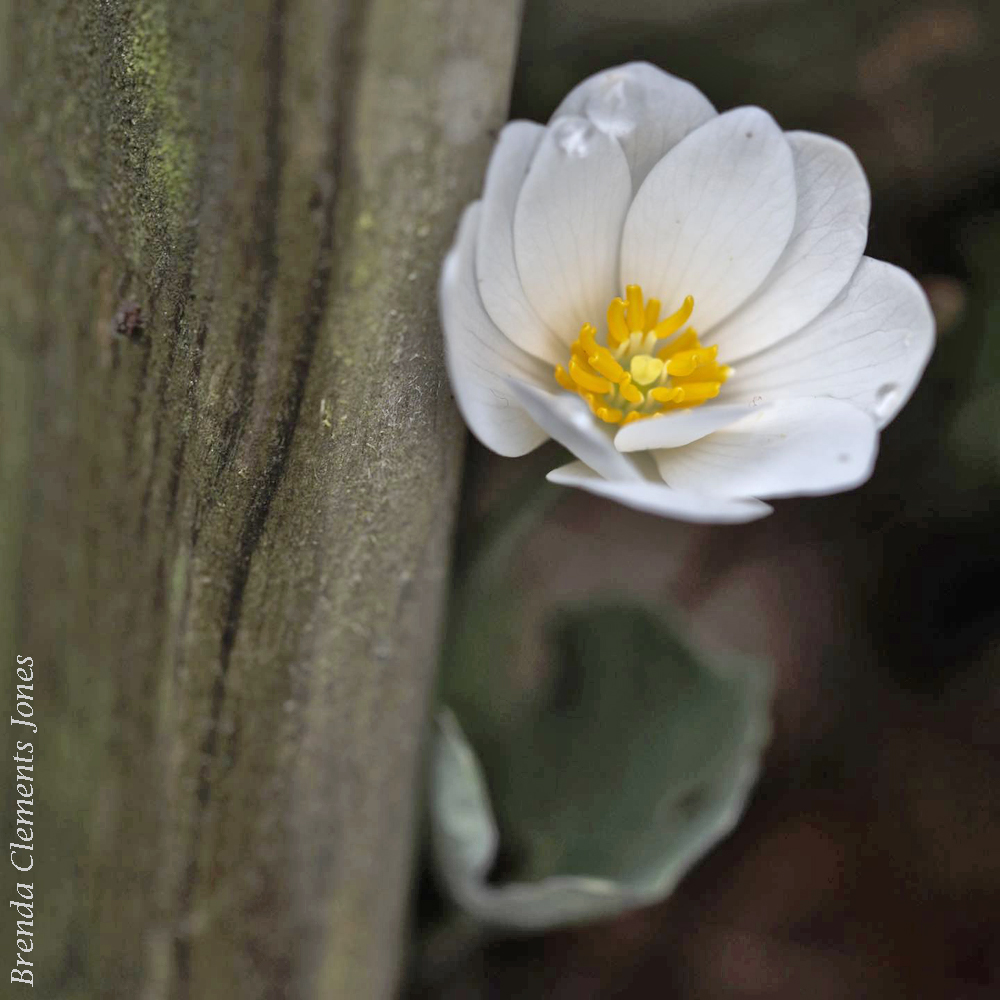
685 362
603 361
697 392
625 381
684 342
586 338
630 392
676 320
644 369
652 314
709 372
585 379
562 377
594 355
636 313
617 327
664 395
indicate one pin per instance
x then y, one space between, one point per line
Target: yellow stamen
636 313
586 338
685 362
585 379
652 313
594 358
610 414
675 320
631 378
682 342
564 380
697 392
664 395
617 327
703 373
629 391
603 362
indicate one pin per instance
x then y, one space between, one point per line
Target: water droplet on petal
575 137
886 398
610 111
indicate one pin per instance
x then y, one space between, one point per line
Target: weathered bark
230 461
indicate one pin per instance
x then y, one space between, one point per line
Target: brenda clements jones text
22 847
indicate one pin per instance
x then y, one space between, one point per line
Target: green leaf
634 756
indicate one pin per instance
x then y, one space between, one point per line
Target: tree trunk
230 461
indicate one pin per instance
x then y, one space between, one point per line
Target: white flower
803 348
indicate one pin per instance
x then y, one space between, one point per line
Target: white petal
713 216
480 358
568 420
655 498
831 229
795 447
568 224
499 283
672 430
869 347
646 110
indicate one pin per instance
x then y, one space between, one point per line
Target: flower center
631 377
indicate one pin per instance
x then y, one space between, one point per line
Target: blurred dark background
868 863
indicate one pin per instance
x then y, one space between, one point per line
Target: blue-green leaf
635 757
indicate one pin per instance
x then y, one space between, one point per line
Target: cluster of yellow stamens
632 378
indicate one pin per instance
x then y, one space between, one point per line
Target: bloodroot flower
678 297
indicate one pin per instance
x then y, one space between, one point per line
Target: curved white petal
647 110
673 430
568 420
831 229
499 282
568 223
655 498
793 447
869 347
713 216
480 358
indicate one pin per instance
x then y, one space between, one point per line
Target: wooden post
229 466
